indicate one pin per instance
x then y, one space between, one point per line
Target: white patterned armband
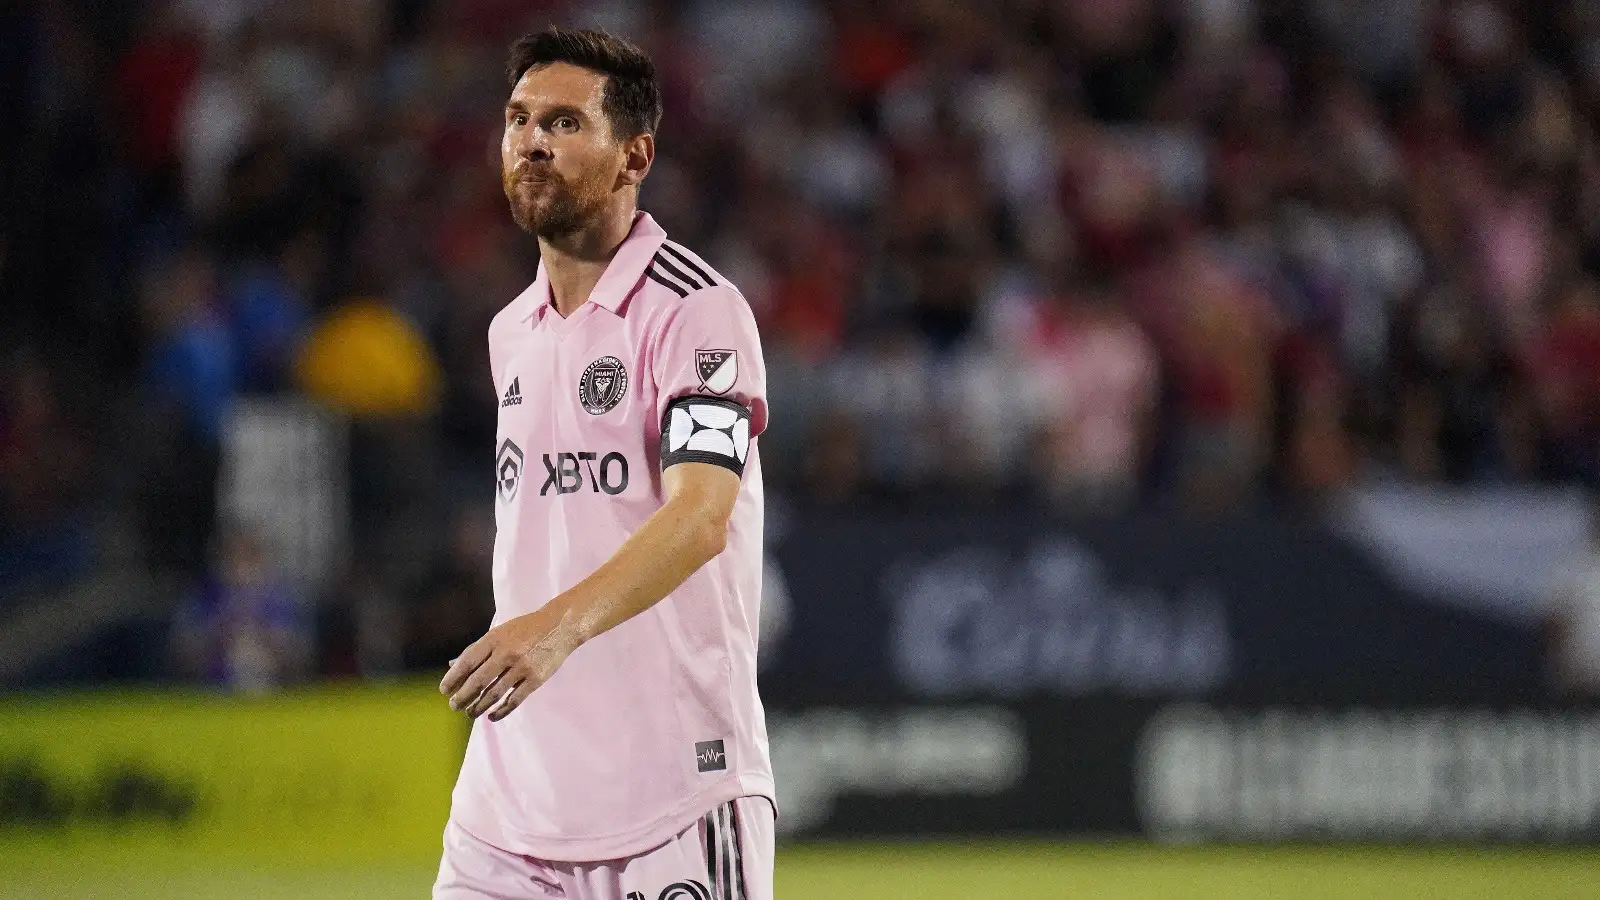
705 430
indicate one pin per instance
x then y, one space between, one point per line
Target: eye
519 120
565 123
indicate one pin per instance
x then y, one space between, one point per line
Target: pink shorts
727 855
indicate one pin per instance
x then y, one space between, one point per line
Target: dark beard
561 215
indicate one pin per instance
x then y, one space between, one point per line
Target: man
619 750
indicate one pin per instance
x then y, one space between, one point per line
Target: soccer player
619 749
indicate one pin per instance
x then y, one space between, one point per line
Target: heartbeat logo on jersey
508 471
719 369
602 385
710 756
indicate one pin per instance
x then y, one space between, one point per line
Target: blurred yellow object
369 361
144 781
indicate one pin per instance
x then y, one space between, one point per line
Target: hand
508 663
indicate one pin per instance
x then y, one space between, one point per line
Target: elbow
711 539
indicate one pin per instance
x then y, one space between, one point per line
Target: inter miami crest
602 385
719 369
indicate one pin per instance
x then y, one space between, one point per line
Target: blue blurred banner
939 606
1191 771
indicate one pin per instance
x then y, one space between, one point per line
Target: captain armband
706 430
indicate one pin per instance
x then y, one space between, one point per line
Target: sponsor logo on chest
564 472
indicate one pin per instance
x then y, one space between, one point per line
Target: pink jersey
650 725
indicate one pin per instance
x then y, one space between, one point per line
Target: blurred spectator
945 273
803 286
835 468
269 304
1457 394
1091 376
1320 452
190 370
242 628
455 600
46 475
219 113
189 382
154 77
1218 333
370 363
1565 363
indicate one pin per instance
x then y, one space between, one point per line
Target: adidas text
513 395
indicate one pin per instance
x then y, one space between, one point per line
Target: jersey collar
622 275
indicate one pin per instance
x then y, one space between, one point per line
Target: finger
514 699
480 679
475 684
493 694
463 666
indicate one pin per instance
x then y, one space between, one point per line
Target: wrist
573 628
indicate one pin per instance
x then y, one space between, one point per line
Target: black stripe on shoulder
656 276
683 257
677 273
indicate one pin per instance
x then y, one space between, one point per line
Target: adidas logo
513 395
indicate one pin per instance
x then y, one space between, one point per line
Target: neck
575 262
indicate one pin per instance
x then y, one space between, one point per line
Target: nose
535 145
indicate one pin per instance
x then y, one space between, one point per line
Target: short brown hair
632 100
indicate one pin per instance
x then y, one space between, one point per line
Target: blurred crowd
1096 254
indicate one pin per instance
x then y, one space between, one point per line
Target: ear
639 153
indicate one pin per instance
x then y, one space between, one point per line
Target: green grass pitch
944 871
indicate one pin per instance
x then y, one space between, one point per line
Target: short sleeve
711 381
494 364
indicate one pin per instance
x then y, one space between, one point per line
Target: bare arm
519 655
